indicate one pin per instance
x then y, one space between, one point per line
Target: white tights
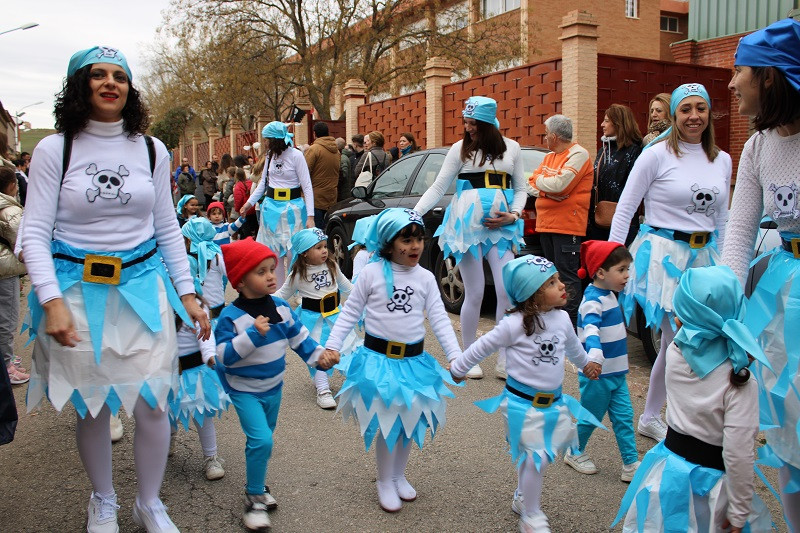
208 436
391 479
150 447
280 268
471 270
791 502
657 390
530 484
321 381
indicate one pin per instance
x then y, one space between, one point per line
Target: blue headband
360 231
711 305
523 276
679 95
304 240
277 130
182 202
201 233
481 108
385 227
97 54
777 45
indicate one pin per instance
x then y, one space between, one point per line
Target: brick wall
525 96
394 116
223 146
202 154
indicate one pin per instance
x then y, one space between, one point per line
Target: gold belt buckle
395 350
105 269
282 194
796 248
698 239
335 296
487 183
543 399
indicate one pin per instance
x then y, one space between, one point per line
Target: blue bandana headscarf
523 276
182 202
710 303
97 54
481 108
777 45
304 240
277 130
679 95
386 225
201 233
360 231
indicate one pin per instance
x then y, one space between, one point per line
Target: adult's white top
286 171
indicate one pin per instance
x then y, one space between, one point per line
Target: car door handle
438 210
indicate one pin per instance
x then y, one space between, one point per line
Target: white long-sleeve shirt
716 412
90 211
453 166
188 342
402 318
213 288
536 360
286 171
767 181
687 193
317 283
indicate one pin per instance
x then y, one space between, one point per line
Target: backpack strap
151 152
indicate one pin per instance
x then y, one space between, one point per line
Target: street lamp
17 123
26 26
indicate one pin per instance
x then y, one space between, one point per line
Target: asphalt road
319 472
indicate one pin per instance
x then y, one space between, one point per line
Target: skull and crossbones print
401 300
320 279
107 184
702 200
785 198
547 350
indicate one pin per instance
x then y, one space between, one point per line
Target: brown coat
323 165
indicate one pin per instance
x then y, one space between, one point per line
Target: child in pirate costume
100 222
684 180
319 281
206 255
187 208
394 388
225 230
700 477
538 336
358 247
285 186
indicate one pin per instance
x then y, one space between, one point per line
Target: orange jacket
568 173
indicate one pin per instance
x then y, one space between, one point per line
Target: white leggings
657 390
530 484
150 447
208 436
471 270
280 268
790 501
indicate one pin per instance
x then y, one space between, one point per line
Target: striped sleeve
589 321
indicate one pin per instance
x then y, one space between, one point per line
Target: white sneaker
153 518
475 372
102 514
213 468
580 462
628 471
655 428
325 400
272 503
536 523
255 516
518 503
115 425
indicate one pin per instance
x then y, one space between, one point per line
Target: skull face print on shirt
703 200
107 184
401 300
785 198
546 350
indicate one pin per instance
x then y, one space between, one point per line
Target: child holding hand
225 230
537 336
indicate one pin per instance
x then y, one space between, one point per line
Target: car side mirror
359 192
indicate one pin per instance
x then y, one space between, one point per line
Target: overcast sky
33 62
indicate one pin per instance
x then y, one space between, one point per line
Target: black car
401 185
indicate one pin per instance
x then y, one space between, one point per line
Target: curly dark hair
73 106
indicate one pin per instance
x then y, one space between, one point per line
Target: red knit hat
242 256
212 205
594 254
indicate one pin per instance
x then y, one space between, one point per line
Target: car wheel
651 339
337 244
451 287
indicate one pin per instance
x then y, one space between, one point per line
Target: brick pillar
355 94
338 101
438 72
524 28
235 129
213 135
196 139
579 75
301 130
683 51
179 159
262 119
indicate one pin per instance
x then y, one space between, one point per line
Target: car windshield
394 180
531 159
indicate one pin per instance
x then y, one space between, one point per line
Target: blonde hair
663 99
377 138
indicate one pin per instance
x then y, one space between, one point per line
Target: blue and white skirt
462 230
128 339
658 263
200 394
280 219
400 398
694 499
320 328
538 432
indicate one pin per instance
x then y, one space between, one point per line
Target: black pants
565 252
249 227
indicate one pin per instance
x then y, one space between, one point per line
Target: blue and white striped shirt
601 330
251 362
225 230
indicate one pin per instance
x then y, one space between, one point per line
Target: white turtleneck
88 214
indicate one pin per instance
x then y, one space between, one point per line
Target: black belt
392 349
193 360
284 194
104 269
489 179
541 399
698 239
326 306
792 246
694 450
216 311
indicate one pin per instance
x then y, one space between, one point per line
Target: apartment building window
453 18
492 8
669 24
415 34
632 9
